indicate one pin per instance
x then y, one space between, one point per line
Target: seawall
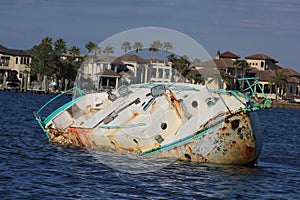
286 105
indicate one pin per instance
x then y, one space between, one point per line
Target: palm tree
47 40
181 65
236 63
167 46
138 47
46 46
60 47
195 79
240 63
126 46
154 47
280 79
74 51
108 49
220 76
90 46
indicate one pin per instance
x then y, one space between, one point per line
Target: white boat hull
185 122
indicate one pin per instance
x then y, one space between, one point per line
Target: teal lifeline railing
42 120
253 103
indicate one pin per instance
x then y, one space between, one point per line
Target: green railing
252 103
43 120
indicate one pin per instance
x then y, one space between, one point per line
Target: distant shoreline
279 104
286 105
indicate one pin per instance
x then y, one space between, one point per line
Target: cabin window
291 89
262 64
209 101
16 60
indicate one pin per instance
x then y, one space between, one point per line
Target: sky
271 27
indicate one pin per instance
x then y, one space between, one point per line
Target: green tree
138 47
60 47
154 47
71 64
108 49
51 60
91 46
181 64
280 79
74 51
43 58
220 76
195 78
243 65
167 46
126 46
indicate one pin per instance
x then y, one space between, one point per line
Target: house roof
13 52
105 58
292 75
108 73
260 56
290 72
129 58
294 80
264 75
193 70
228 54
278 67
219 63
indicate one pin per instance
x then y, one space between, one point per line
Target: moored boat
172 120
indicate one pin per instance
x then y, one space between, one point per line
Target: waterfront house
143 70
222 62
259 65
108 72
263 66
261 61
13 62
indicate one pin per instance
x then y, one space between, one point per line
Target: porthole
194 104
163 126
135 140
159 139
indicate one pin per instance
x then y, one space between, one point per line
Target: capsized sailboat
173 120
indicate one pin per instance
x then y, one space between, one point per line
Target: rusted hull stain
231 141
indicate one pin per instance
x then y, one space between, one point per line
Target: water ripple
32 168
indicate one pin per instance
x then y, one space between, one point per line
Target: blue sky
271 27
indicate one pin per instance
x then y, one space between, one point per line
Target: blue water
32 168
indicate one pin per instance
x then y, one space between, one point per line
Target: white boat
174 120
